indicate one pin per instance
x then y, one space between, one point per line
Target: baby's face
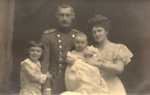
80 43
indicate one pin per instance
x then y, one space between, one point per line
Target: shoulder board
75 30
49 31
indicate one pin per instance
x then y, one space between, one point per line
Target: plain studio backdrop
130 26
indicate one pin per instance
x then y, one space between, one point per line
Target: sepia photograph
74 47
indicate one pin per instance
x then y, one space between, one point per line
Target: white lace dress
31 78
110 53
83 79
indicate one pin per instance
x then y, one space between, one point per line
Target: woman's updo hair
99 20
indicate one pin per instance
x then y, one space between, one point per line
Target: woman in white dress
114 56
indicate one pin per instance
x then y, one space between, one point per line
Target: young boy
31 76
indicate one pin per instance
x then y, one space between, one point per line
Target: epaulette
75 30
49 31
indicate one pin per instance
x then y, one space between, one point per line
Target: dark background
130 26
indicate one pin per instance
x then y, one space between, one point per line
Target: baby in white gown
82 78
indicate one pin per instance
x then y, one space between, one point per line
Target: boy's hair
33 43
80 34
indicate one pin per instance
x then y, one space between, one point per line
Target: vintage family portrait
70 47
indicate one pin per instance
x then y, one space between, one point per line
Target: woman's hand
92 61
70 60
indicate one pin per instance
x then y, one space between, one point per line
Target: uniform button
73 35
60 46
60 59
60 52
58 35
59 41
60 65
60 70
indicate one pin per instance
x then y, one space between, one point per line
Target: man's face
65 16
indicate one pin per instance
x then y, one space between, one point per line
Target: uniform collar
64 30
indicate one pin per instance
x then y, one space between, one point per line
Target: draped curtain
6 35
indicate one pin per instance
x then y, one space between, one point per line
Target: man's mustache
64 22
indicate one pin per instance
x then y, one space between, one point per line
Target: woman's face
99 33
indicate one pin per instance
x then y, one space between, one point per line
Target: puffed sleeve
123 53
32 73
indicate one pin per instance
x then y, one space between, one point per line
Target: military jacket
56 45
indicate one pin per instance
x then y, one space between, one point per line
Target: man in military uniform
57 42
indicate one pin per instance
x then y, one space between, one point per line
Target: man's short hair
64 5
